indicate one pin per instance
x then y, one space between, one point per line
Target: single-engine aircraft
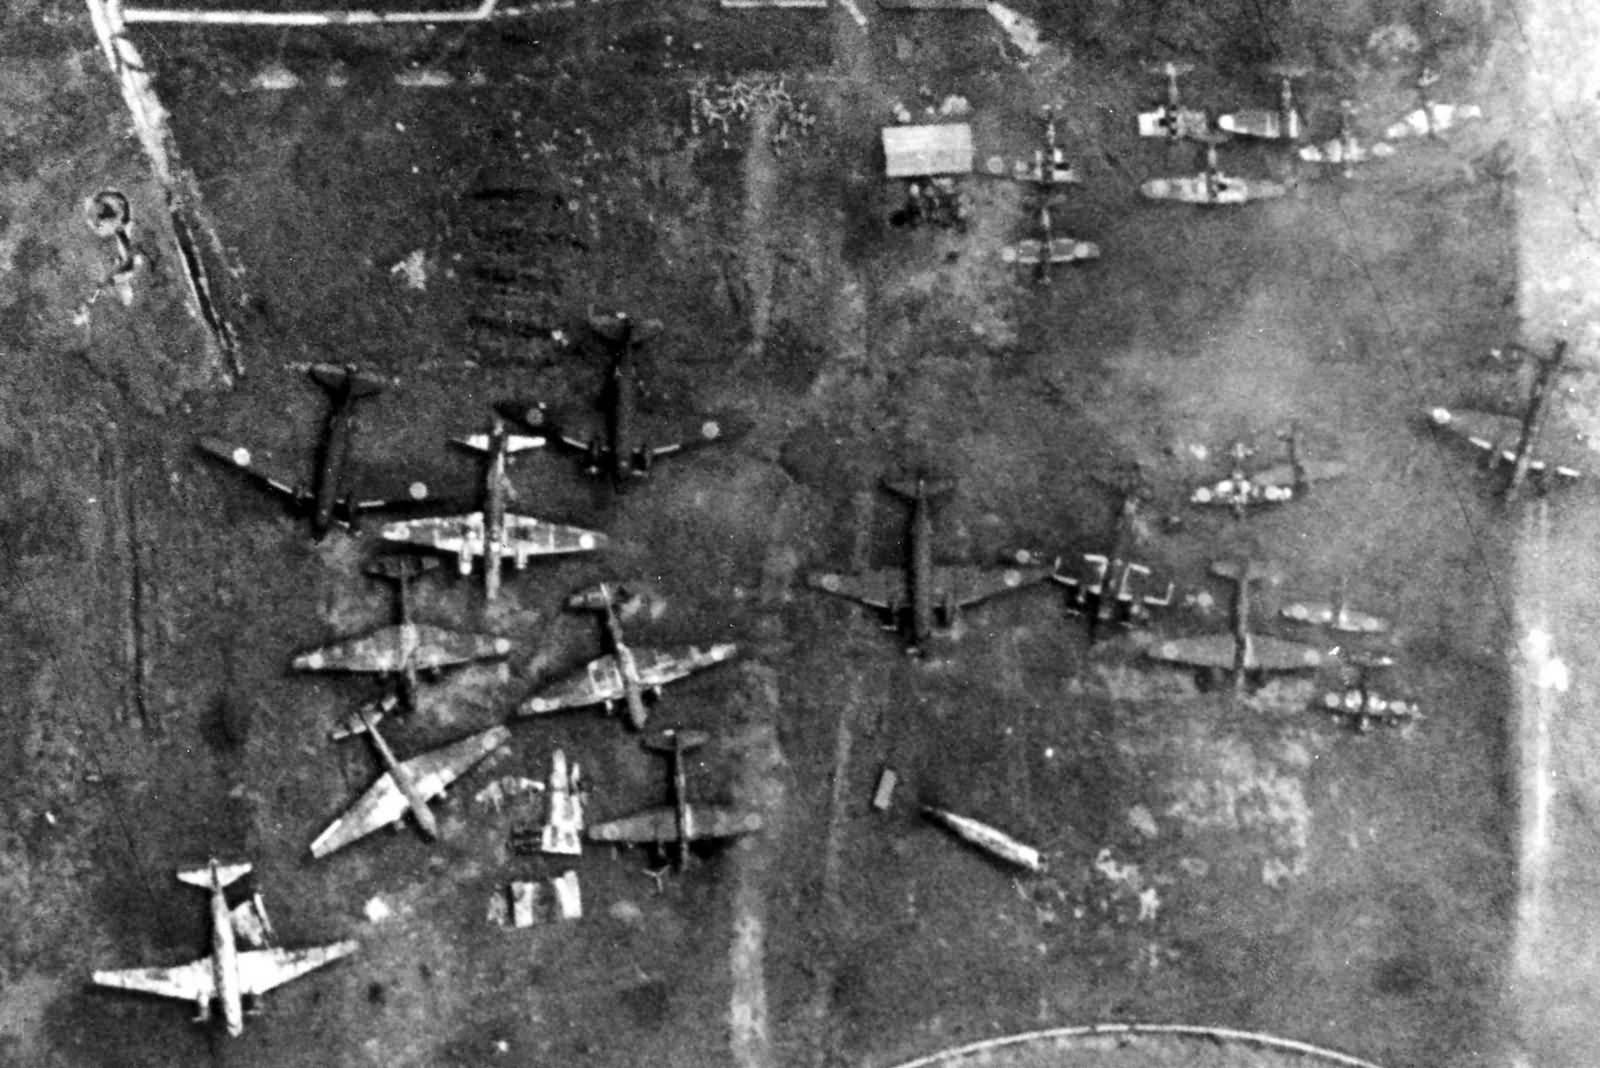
405 785
1282 123
326 500
229 974
1049 169
625 674
1211 187
1239 652
1172 120
920 595
1048 250
1273 485
492 533
1431 118
1345 151
619 450
1512 440
682 822
406 649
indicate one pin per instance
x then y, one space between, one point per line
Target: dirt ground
1239 861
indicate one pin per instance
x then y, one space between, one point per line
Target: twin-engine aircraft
406 649
406 786
326 499
492 534
1511 441
619 449
682 822
1240 652
920 596
1241 491
626 674
229 974
1211 187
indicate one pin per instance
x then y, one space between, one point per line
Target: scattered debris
413 270
1023 31
511 788
883 796
1140 819
717 104
534 903
377 910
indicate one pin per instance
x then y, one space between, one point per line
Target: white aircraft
1172 120
1211 187
406 785
491 533
229 975
625 674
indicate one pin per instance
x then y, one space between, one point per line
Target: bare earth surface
1212 858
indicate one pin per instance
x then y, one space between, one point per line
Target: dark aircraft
921 595
1240 652
1345 151
405 648
1047 250
1430 118
619 450
326 500
683 822
1049 169
1273 485
490 532
1511 440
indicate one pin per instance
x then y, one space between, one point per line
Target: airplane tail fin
346 379
673 740
370 714
226 874
919 488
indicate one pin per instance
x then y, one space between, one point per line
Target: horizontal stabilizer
346 380
226 874
914 489
1245 571
672 740
369 715
484 444
401 568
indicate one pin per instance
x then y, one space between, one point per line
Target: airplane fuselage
621 405
494 511
333 454
225 961
680 802
919 574
628 669
403 781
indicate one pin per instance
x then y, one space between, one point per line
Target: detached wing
882 589
262 969
259 466
195 981
1436 118
965 586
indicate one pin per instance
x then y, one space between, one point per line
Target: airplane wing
262 969
965 585
1030 171
394 648
1498 434
1436 118
458 535
1202 651
657 667
526 536
881 589
259 466
187 982
676 435
1337 151
1283 475
1278 654
435 770
1234 493
1167 122
1324 614
660 824
1068 250
1262 123
383 805
1194 189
